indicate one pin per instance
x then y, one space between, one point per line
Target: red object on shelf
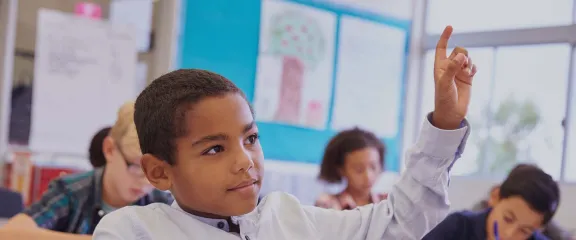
44 175
41 178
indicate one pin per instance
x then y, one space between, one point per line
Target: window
517 108
489 15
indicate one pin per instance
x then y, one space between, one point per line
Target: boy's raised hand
453 79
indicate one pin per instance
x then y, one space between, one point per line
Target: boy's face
516 220
123 168
218 170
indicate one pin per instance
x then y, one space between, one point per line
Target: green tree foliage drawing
294 34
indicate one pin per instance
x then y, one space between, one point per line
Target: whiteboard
84 70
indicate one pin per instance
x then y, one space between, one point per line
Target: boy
527 201
74 204
199 140
552 230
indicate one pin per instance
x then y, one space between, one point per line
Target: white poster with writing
84 70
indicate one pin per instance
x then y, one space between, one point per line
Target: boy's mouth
244 184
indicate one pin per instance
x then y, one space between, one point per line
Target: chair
11 203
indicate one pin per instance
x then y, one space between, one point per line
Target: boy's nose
243 161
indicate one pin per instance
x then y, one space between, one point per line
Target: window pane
527 108
483 58
488 15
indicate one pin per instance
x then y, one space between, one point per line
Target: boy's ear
157 171
108 148
494 196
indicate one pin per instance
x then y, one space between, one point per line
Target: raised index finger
443 43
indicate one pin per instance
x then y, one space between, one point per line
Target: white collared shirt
417 203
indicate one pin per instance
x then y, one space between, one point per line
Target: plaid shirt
73 203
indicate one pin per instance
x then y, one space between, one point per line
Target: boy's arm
419 201
44 218
39 233
416 204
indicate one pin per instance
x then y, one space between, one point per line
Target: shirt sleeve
53 208
123 224
417 202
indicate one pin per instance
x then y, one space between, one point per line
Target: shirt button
220 225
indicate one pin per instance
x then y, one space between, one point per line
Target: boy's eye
508 219
252 139
213 150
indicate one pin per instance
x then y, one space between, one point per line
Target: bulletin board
223 36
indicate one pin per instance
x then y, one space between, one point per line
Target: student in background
355 156
527 201
200 141
95 152
552 230
74 204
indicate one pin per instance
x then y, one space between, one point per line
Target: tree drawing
298 40
505 145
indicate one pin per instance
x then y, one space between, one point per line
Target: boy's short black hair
341 145
95 153
161 108
535 186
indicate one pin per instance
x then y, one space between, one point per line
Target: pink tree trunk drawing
314 113
290 90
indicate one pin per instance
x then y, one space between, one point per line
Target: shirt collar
217 223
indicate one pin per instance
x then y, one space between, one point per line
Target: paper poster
295 64
369 77
141 77
136 13
84 70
